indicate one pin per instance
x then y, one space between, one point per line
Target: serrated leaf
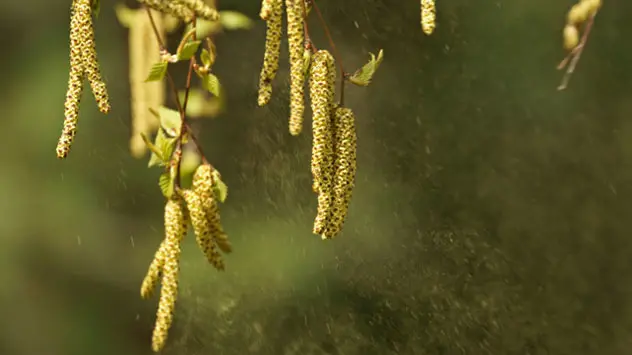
307 61
205 58
363 76
157 71
170 121
232 20
188 50
219 188
167 184
164 147
210 83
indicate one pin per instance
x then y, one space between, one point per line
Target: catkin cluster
183 9
576 17
144 51
333 148
83 63
197 206
428 15
272 12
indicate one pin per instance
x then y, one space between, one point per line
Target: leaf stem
333 47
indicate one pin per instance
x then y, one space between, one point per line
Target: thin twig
333 47
308 39
575 54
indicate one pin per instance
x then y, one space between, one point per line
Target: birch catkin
296 39
273 11
153 274
345 169
176 223
428 14
203 184
202 228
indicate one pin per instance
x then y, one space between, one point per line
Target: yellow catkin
202 228
203 183
201 9
89 53
345 169
428 16
274 13
153 273
266 9
322 79
176 223
296 43
75 87
175 8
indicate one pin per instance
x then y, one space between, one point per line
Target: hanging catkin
296 42
153 273
175 8
203 183
273 11
321 84
202 228
75 86
428 15
345 169
176 223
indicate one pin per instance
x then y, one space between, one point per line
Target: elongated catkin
202 228
428 15
203 184
296 42
274 31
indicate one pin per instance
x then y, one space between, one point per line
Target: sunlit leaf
211 83
307 61
219 189
164 146
124 15
157 157
167 184
170 121
157 71
205 58
363 76
232 20
188 50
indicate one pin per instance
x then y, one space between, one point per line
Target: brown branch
574 55
308 39
333 47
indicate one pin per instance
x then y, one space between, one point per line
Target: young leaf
219 189
170 121
211 83
166 183
155 151
164 146
157 71
363 76
232 20
205 58
307 61
188 50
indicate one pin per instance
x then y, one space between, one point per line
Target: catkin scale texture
175 8
296 42
203 183
274 13
153 273
345 169
266 9
202 228
201 9
428 14
176 223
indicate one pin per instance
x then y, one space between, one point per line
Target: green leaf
167 184
205 58
211 83
307 61
170 121
157 71
155 151
219 188
164 146
363 76
188 50
232 20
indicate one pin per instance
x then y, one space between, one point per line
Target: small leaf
155 151
220 189
307 61
124 15
164 146
205 58
170 121
232 20
211 83
166 183
363 76
157 71
188 50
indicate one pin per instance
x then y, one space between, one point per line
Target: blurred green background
491 213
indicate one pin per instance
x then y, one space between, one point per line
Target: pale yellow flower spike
266 9
345 165
171 7
89 53
428 16
154 273
202 229
176 223
75 87
274 13
203 182
296 41
201 9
